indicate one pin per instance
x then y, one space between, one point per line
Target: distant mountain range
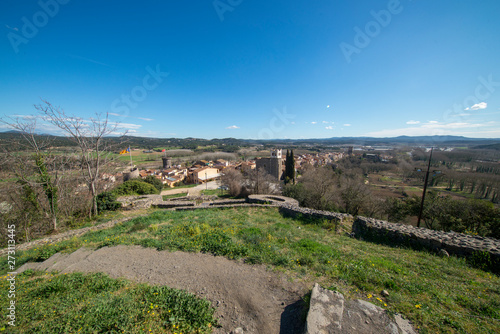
403 140
143 142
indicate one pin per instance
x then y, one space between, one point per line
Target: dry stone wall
290 207
365 228
272 199
453 243
296 212
228 202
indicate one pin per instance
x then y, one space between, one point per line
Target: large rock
330 313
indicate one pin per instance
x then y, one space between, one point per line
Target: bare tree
89 136
232 179
405 168
320 185
353 193
36 170
258 181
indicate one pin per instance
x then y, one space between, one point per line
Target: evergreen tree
289 167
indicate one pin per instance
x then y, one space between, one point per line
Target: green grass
95 303
390 179
140 157
209 192
185 186
165 197
222 194
443 295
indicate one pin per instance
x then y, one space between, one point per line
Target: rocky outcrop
330 313
452 242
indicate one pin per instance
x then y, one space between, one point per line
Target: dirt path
245 296
193 191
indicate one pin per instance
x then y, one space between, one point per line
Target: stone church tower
272 165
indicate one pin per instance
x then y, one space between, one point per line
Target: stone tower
167 162
131 174
273 165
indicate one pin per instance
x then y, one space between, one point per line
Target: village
203 171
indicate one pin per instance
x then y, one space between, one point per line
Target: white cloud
232 127
325 122
127 126
477 106
347 124
314 122
329 127
413 122
455 125
434 128
27 117
153 134
119 115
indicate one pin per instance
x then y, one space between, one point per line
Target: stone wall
228 202
296 211
273 199
131 174
363 228
173 204
241 205
453 243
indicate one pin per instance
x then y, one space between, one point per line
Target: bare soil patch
246 296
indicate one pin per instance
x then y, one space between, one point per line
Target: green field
440 295
138 156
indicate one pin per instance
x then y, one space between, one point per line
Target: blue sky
258 69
